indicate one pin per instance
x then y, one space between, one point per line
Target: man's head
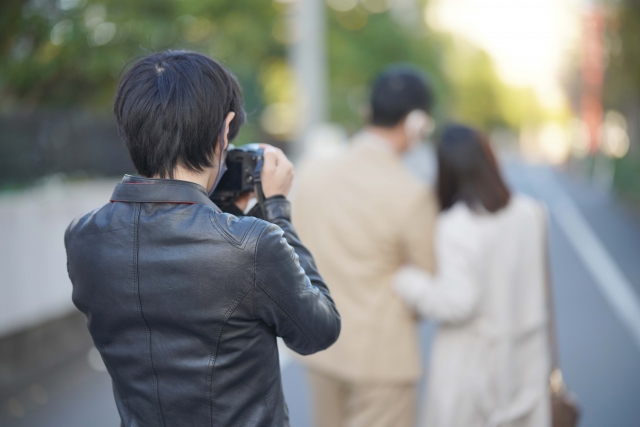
401 103
173 109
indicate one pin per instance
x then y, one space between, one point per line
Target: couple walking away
468 254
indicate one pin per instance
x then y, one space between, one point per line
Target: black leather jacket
185 302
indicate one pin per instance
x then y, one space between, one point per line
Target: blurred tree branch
622 85
10 22
69 53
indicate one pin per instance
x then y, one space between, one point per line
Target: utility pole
308 60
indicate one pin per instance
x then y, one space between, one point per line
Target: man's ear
418 124
227 122
430 127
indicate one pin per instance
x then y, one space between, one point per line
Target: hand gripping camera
244 166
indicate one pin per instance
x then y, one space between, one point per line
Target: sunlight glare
528 39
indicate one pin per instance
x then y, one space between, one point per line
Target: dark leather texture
184 303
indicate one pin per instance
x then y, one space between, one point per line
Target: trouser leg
381 405
329 397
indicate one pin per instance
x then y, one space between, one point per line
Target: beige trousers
338 403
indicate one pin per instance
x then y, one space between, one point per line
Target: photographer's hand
277 172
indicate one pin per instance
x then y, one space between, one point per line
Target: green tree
622 85
69 53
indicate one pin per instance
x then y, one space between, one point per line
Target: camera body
244 165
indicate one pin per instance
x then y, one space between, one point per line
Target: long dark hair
468 171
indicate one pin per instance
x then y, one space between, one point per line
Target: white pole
308 60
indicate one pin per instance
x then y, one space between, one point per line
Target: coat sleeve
452 295
290 295
417 232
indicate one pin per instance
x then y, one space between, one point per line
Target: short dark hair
468 171
170 109
397 91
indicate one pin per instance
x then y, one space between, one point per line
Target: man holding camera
364 215
184 302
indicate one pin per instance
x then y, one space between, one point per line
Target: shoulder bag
564 407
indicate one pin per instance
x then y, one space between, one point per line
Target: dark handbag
564 406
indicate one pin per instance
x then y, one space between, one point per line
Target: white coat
490 360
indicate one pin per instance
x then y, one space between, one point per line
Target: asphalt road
595 251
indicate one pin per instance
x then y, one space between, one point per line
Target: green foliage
72 57
622 38
622 85
357 56
627 178
69 53
56 58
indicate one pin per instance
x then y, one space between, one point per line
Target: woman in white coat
490 359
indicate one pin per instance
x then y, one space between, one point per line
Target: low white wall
34 285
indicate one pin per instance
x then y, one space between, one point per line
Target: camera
244 165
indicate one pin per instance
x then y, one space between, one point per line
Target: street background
554 83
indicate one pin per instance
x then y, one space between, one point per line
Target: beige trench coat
363 215
490 360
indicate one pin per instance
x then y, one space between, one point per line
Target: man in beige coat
363 215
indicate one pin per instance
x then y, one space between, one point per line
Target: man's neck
203 178
393 136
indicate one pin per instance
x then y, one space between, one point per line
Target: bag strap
556 381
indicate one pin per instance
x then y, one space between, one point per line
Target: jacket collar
368 139
134 189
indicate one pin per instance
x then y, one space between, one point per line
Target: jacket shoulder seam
76 223
228 236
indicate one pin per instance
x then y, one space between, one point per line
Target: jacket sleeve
452 295
290 295
417 231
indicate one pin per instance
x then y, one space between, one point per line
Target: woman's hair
468 171
170 109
